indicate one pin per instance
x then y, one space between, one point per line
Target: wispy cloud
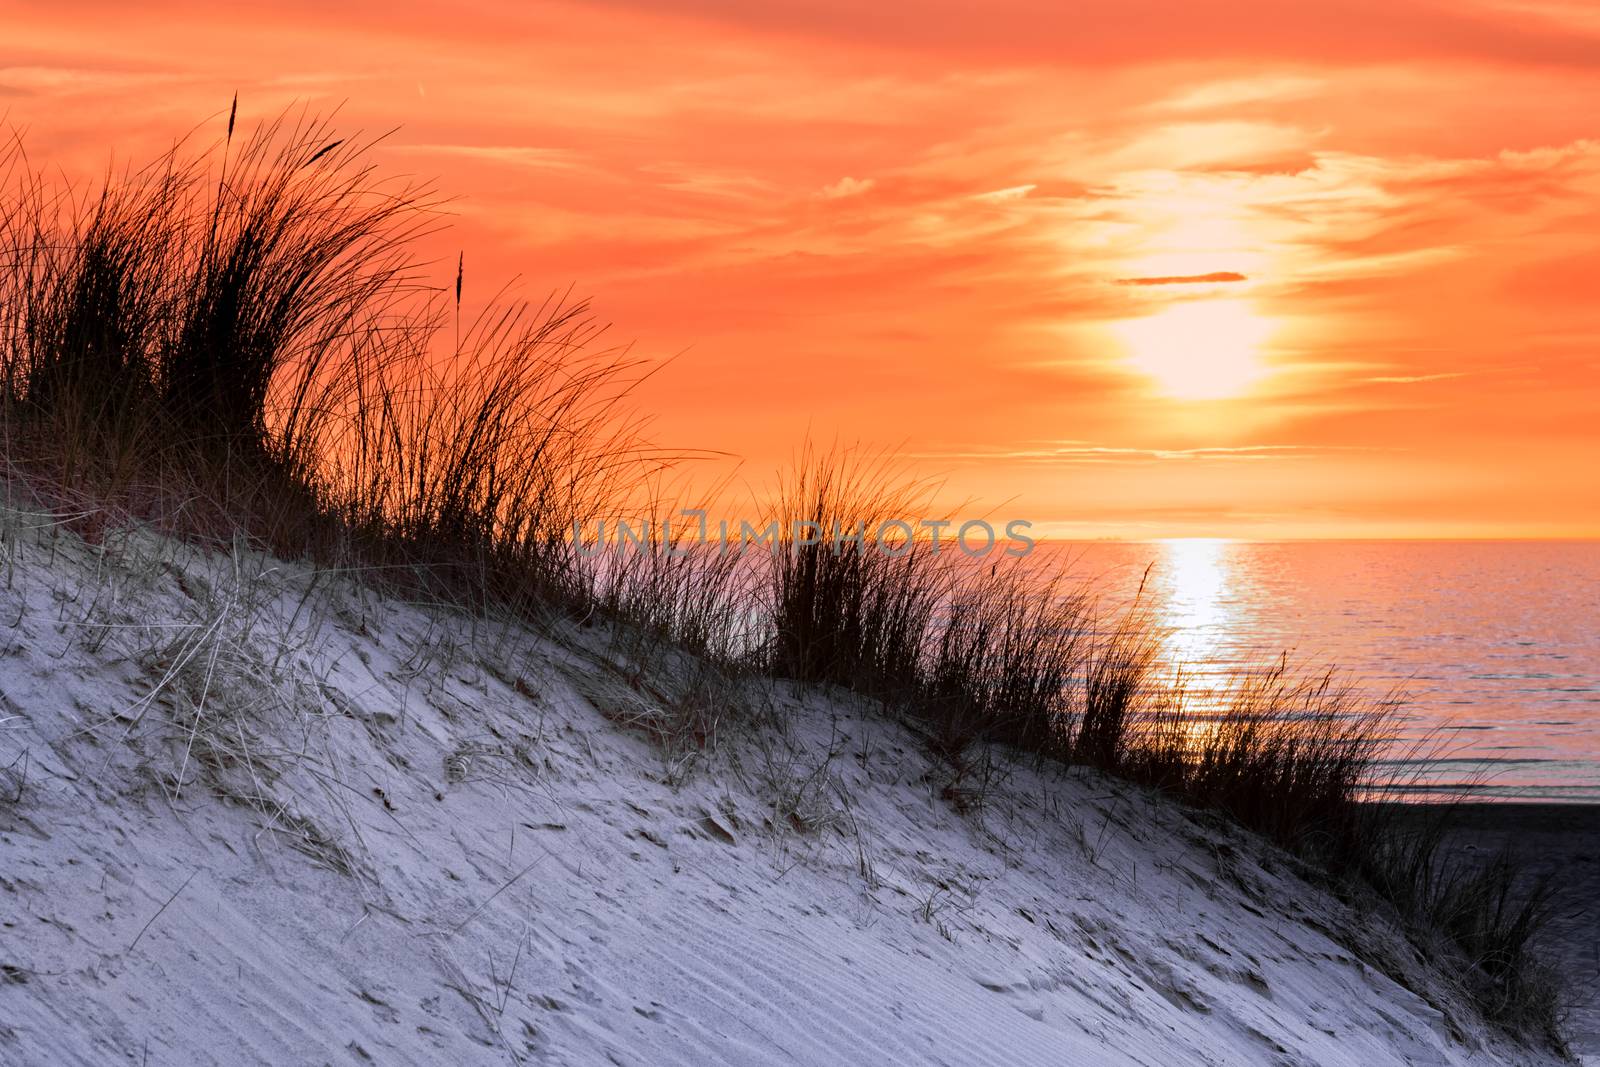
1414 379
1081 453
43 80
511 155
1236 91
846 187
999 196
1186 279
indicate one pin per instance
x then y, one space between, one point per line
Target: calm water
1495 644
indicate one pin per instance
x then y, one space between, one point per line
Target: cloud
1015 192
514 155
1413 379
1108 32
846 187
1075 452
1186 279
1223 94
684 178
61 80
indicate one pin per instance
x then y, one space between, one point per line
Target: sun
1198 350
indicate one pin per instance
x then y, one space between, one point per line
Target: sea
1493 647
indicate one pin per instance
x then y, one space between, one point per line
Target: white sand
405 837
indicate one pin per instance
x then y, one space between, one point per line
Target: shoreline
1559 840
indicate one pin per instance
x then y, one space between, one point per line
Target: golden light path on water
1488 646
1196 606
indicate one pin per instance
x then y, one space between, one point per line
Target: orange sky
958 234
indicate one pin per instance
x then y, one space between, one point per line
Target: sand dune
249 819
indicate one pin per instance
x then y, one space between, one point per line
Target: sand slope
249 818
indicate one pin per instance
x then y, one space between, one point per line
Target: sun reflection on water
1195 606
1465 630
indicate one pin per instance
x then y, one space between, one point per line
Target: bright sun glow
1198 350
